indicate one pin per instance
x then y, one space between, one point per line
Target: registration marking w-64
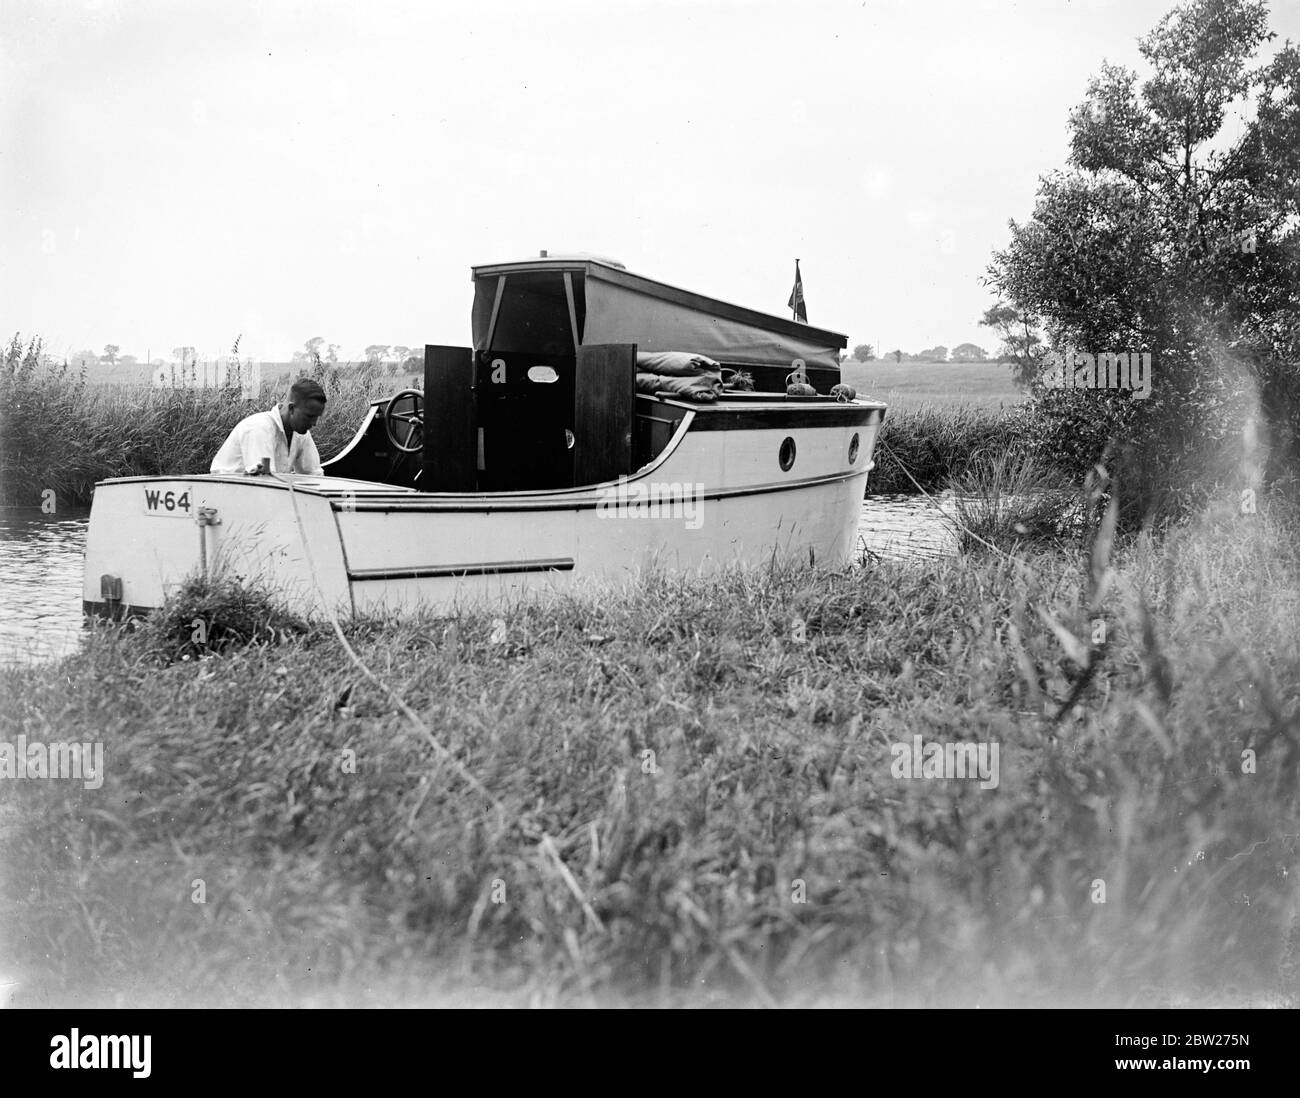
168 503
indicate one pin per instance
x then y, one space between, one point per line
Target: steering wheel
404 421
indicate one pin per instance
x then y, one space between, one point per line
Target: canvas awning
611 305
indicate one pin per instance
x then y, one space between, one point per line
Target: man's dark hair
304 389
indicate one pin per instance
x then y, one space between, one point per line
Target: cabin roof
611 271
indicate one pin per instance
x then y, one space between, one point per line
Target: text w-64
172 502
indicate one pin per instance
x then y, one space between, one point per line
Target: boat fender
845 394
800 389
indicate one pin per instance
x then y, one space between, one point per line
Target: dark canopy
603 303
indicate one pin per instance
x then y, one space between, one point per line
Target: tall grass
692 798
57 432
935 445
1006 498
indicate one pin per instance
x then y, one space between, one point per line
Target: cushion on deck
675 363
702 388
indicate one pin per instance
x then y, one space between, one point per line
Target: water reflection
41 557
908 527
40 562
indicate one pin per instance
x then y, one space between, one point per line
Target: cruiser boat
538 458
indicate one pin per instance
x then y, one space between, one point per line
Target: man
281 434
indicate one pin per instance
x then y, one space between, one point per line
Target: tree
128 360
375 352
183 355
83 359
110 353
311 351
932 354
897 356
1173 234
1022 342
968 352
864 352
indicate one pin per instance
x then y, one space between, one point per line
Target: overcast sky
182 173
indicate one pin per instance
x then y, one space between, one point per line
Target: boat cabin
537 458
546 397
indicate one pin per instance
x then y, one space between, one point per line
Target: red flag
796 302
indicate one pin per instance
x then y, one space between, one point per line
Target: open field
677 796
909 385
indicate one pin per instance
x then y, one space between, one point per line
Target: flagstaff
796 304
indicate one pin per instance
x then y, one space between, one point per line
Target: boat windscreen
533 314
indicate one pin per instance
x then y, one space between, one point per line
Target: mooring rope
396 698
546 844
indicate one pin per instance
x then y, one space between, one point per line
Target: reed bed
681 792
926 448
58 432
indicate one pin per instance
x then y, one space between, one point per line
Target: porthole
786 455
853 448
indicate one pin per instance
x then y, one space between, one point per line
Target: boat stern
148 535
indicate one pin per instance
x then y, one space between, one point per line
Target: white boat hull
714 498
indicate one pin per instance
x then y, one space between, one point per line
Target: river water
40 566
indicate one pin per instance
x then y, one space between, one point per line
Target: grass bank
689 794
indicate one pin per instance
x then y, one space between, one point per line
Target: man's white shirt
261 435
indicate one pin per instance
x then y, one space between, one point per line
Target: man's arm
309 456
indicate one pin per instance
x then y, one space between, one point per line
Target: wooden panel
523 422
450 423
604 394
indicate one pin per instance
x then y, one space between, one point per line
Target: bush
206 615
1199 433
